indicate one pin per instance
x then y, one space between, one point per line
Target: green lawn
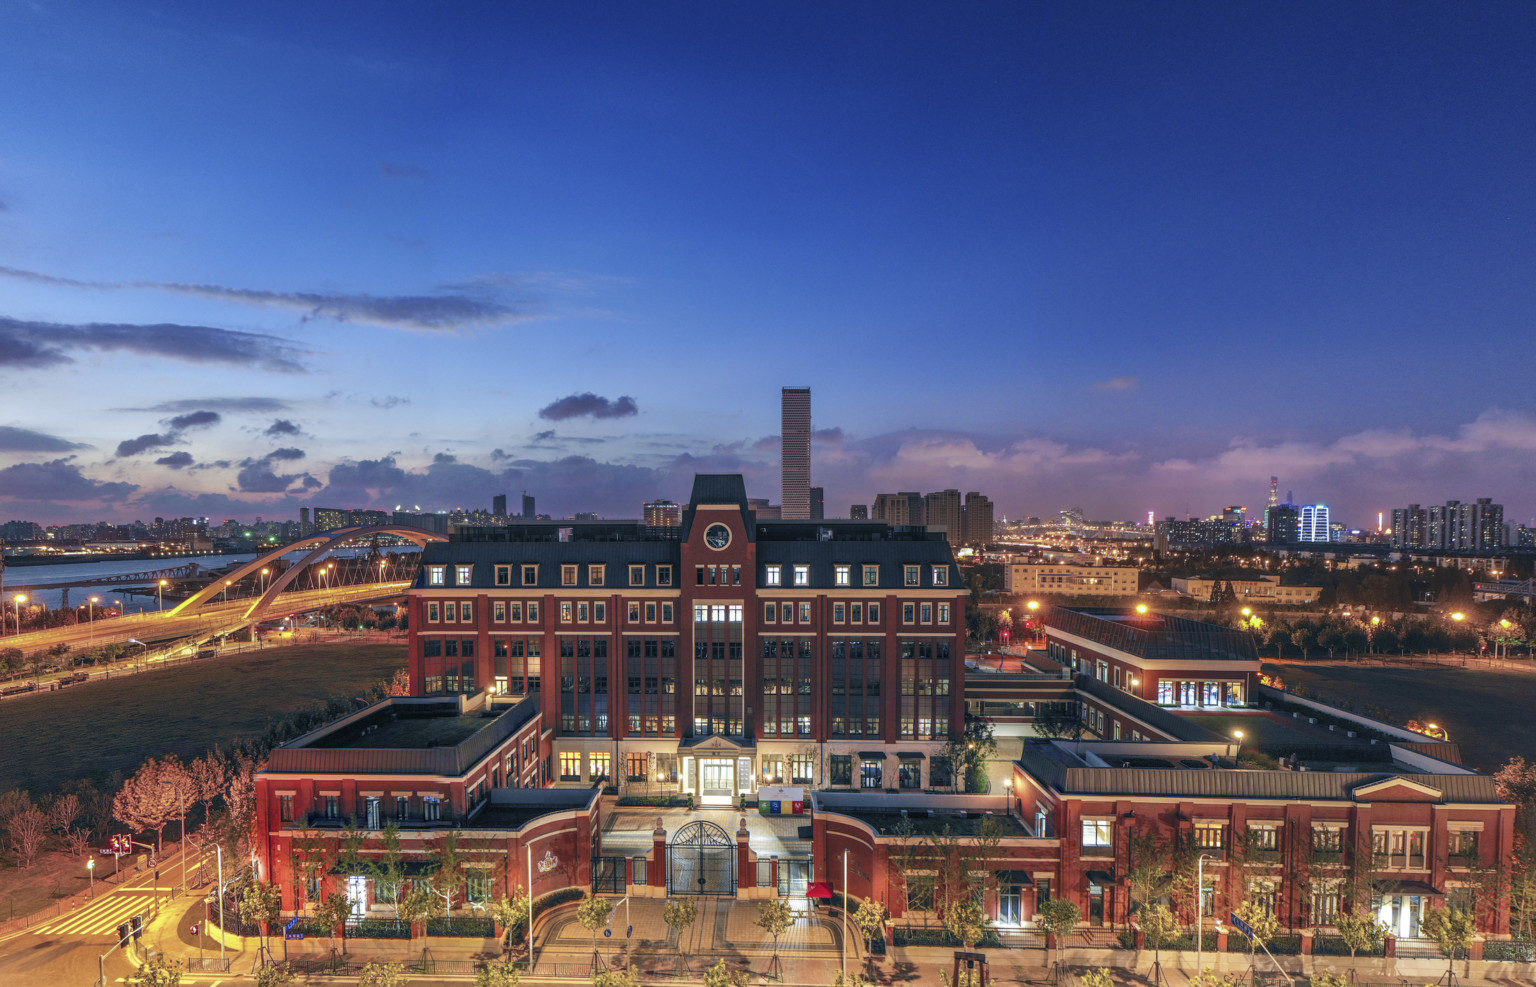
1488 713
101 727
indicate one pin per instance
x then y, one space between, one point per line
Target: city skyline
433 257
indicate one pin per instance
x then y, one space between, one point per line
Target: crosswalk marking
104 915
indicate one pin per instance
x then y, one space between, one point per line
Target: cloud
258 476
831 436
447 312
281 426
217 404
26 440
36 345
394 169
1117 384
144 443
195 419
591 405
444 458
497 455
388 401
176 460
57 480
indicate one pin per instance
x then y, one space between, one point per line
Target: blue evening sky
1129 256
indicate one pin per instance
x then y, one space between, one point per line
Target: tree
273 975
870 918
149 797
718 975
498 975
26 828
1058 917
1453 930
614 978
416 904
968 754
679 914
159 972
261 903
448 868
1150 877
1360 929
775 917
1516 782
12 660
593 914
377 973
1261 921
63 816
311 855
966 921
1058 720
855 980
510 914
1157 923
333 911
1098 976
208 777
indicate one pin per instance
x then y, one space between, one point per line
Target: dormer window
773 575
437 575
871 575
842 575
463 575
802 575
596 574
911 575
941 575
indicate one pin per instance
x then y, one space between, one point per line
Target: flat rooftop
394 728
922 824
1153 636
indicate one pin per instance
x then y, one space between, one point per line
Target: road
215 617
66 950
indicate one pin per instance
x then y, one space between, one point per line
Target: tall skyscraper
663 514
304 528
528 511
1314 524
1281 524
858 512
978 518
795 466
818 504
944 509
499 505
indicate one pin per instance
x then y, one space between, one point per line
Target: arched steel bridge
322 544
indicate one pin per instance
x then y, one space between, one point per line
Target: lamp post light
1008 798
1200 908
1134 683
264 573
1239 735
91 619
90 868
225 596
160 594
20 599
1141 608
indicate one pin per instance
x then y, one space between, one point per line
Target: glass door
719 777
1095 905
357 890
1010 898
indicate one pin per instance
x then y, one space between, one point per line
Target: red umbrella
818 889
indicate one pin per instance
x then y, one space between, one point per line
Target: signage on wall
548 862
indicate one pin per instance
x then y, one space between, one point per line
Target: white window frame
530 573
637 575
871 574
941 575
569 574
597 573
463 575
842 575
773 576
503 575
437 575
802 574
911 575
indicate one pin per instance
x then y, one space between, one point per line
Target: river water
57 577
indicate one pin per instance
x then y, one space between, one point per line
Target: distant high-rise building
528 512
304 528
944 509
795 458
663 514
1282 524
499 505
1314 524
818 504
1454 526
978 519
764 510
858 512
899 508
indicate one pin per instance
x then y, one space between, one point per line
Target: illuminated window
773 576
463 574
596 574
437 575
842 575
802 575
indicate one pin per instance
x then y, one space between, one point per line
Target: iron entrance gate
701 859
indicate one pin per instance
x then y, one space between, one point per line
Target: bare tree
64 815
26 828
208 775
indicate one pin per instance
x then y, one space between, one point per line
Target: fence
608 875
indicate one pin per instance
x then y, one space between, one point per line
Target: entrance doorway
1095 904
1010 901
1402 914
717 776
701 859
357 890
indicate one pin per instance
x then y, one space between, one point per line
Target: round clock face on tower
717 536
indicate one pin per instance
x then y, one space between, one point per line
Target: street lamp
1239 735
1134 683
225 596
1008 798
1141 608
20 599
91 619
264 573
90 868
1458 615
160 593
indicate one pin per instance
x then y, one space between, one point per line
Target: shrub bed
472 926
1336 946
554 898
941 937
659 801
1509 950
379 928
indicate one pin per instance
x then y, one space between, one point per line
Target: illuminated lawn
1488 712
101 727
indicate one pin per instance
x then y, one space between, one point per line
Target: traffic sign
291 923
1242 926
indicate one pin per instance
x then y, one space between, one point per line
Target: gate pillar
656 867
746 875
